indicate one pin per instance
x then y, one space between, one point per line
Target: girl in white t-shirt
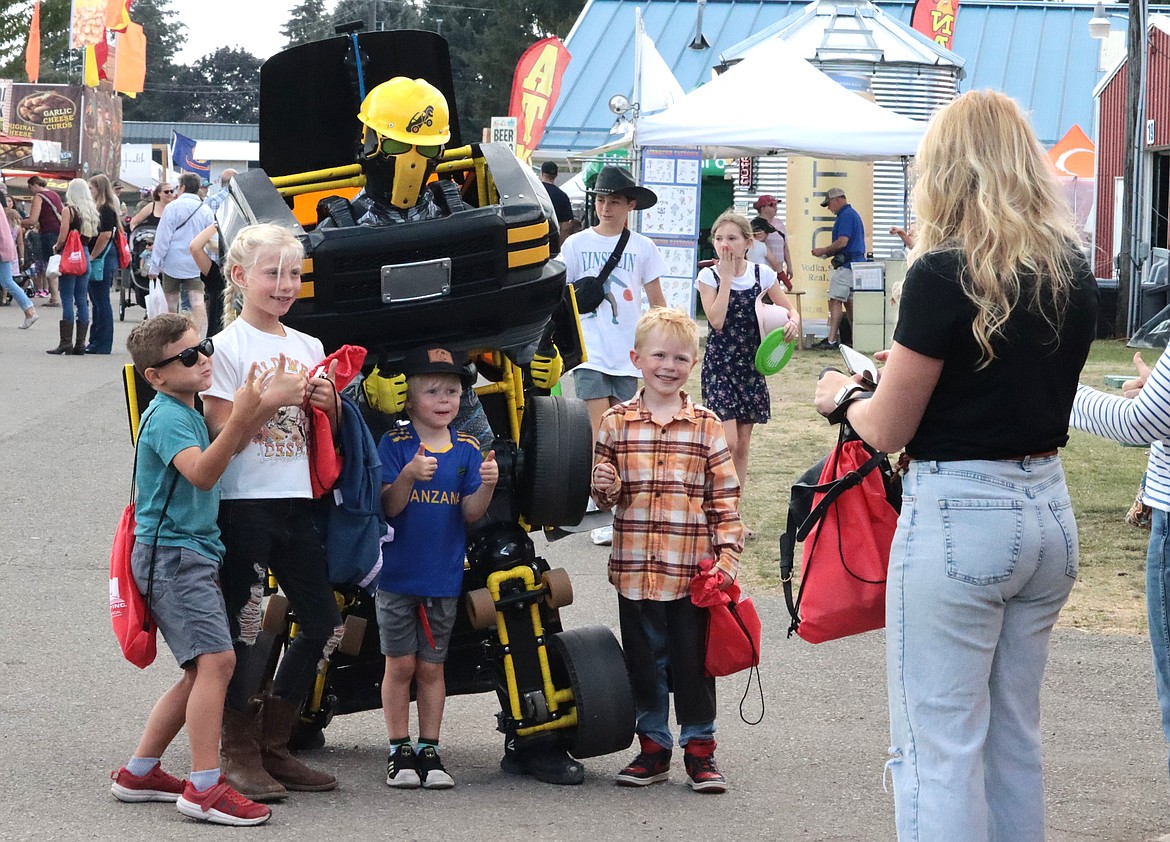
732 387
265 516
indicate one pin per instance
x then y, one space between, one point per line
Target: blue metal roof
1037 52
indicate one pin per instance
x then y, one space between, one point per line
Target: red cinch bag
846 521
74 256
324 460
123 247
129 613
733 627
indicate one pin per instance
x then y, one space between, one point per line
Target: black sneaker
402 768
430 767
826 345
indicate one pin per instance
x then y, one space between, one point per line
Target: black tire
556 439
595 668
122 301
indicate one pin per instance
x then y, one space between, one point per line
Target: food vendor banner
86 123
936 20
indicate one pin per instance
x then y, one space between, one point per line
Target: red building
1111 154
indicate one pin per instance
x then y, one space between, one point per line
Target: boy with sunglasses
176 474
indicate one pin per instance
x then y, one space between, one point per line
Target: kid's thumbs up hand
422 467
489 471
285 387
1131 387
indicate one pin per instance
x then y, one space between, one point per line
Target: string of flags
91 25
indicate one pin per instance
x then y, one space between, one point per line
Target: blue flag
183 156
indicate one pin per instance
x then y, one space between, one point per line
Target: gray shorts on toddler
401 630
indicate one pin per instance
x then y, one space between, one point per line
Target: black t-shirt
560 201
107 222
1017 404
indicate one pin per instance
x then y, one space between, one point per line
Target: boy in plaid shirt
664 467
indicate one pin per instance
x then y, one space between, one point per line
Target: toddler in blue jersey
434 482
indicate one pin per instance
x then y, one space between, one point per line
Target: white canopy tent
729 118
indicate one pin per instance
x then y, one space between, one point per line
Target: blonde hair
668 322
730 217
78 197
983 188
105 190
249 243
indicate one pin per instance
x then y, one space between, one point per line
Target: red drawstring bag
324 460
129 613
733 627
123 247
847 522
74 256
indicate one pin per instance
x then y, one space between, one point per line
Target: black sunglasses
189 356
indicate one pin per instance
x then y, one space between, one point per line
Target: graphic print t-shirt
276 461
609 330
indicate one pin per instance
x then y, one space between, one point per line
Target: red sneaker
703 772
155 785
221 805
651 766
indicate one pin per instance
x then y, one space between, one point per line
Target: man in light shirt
181 222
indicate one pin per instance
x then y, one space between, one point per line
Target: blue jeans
73 291
1158 611
984 557
653 632
13 287
101 332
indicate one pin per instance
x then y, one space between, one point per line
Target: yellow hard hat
408 110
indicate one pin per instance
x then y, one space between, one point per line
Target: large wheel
557 444
595 667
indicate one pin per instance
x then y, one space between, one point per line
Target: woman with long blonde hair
998 312
81 215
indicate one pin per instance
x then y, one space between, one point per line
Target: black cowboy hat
615 181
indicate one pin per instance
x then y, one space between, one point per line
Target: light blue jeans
13 287
74 303
983 559
1158 610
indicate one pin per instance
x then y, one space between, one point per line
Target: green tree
220 87
307 22
58 63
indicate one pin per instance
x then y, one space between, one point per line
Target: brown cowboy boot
66 343
239 756
79 342
277 721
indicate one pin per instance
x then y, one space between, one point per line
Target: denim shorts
400 627
597 385
186 602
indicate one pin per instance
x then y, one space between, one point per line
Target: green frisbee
774 353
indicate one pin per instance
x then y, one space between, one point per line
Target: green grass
1102 476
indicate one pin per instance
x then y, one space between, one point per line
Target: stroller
135 281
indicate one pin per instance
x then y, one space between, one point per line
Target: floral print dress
732 388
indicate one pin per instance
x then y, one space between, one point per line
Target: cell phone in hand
859 363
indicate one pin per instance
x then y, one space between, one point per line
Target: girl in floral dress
732 387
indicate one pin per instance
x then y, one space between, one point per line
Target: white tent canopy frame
815 116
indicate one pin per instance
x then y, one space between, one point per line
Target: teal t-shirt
168 428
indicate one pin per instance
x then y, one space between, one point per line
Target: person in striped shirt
663 465
1142 416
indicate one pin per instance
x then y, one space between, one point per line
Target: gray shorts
174 285
595 385
401 630
841 284
186 603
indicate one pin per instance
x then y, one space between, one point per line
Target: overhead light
619 104
1099 24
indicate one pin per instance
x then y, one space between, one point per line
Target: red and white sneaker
221 805
155 785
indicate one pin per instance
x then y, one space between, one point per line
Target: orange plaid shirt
676 498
